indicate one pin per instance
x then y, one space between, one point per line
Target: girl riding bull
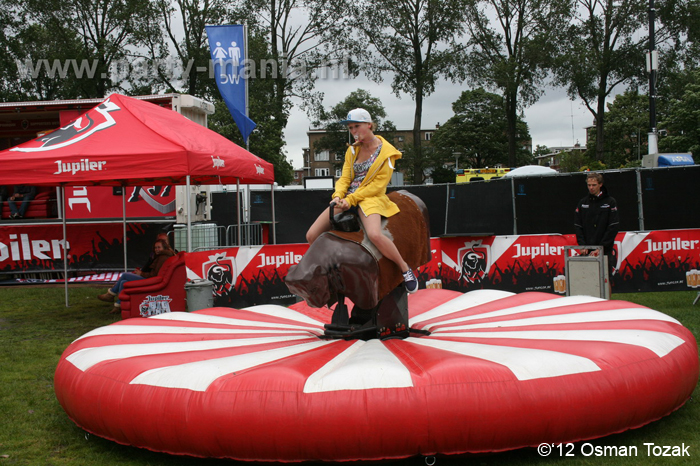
369 164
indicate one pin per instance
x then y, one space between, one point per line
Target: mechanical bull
343 264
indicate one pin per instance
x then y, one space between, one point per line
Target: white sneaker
410 281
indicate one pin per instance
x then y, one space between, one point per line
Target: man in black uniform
597 221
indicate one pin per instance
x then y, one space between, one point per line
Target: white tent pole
274 223
124 223
65 242
238 210
246 217
189 218
245 83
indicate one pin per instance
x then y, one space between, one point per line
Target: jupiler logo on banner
83 127
221 271
474 259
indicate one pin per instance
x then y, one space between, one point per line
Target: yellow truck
480 174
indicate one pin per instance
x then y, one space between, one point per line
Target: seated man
25 194
162 252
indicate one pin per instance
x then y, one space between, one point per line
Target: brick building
322 163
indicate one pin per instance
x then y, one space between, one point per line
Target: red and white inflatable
499 371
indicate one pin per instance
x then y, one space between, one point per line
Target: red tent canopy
128 141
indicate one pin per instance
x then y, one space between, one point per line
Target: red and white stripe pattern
259 383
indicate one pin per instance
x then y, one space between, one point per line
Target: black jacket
597 221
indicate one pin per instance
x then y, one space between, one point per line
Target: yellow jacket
371 194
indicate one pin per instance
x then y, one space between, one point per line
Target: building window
322 156
338 172
338 157
428 135
323 171
400 138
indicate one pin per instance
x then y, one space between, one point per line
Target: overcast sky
553 121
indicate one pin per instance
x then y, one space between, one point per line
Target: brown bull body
347 264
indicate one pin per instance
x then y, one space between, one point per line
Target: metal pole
652 67
246 214
124 223
238 210
515 212
245 80
65 242
640 203
188 197
274 223
447 205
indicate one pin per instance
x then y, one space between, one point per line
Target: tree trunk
417 147
599 121
192 81
282 65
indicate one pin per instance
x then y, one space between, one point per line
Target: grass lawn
35 328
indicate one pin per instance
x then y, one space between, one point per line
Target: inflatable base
498 371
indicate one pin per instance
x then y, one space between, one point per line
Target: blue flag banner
227 47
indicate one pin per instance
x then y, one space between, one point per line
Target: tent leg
238 210
65 244
274 223
124 223
189 218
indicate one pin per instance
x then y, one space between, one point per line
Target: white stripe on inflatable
658 342
462 302
85 358
531 307
282 312
209 319
364 365
573 318
199 375
524 363
157 329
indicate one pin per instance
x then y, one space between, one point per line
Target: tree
107 29
265 141
475 136
540 150
336 138
682 38
40 45
416 40
183 22
626 123
573 161
601 49
514 55
305 42
38 60
682 118
10 84
443 175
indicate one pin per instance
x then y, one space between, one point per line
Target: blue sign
227 48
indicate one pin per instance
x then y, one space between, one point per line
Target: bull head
334 266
